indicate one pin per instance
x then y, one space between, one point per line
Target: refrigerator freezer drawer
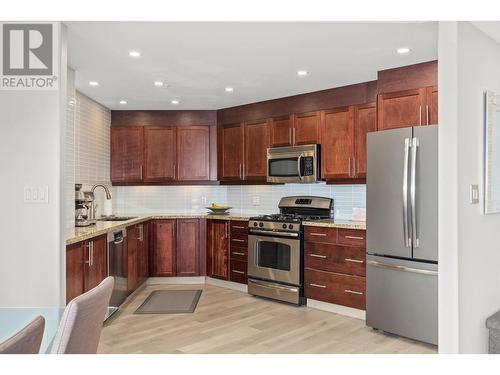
402 298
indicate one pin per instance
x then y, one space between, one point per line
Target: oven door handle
272 286
274 234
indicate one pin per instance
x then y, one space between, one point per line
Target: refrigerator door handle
413 192
401 268
406 234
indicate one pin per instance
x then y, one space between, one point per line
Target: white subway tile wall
87 149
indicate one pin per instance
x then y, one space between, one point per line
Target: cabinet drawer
352 237
335 258
239 240
239 253
238 271
320 234
238 227
335 288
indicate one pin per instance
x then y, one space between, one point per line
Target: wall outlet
36 194
204 200
255 200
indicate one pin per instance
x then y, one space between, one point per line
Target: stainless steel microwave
295 164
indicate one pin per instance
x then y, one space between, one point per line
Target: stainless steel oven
296 164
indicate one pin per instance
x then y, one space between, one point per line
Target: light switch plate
36 194
474 194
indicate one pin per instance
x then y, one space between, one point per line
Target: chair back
81 323
27 340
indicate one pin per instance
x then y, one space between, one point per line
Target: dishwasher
117 267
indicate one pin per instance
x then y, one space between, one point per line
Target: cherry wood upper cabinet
230 138
218 251
74 270
159 153
401 109
95 262
281 129
127 154
188 247
365 121
163 250
432 105
338 147
193 153
256 135
307 128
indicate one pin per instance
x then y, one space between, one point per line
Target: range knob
255 224
290 226
261 225
284 226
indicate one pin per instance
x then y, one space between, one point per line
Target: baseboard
338 309
227 284
176 280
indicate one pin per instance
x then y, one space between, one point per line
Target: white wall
31 267
471 235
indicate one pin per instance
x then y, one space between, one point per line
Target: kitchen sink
116 218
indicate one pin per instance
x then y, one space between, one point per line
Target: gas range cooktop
296 218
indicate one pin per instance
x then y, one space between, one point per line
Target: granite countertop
77 234
331 223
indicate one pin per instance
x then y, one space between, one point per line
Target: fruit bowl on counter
218 210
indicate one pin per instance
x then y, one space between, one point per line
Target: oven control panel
273 225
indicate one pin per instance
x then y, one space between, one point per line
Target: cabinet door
337 146
256 144
365 121
188 247
143 255
193 153
401 109
231 152
219 249
126 154
133 237
74 270
306 128
281 131
163 252
159 154
96 261
432 105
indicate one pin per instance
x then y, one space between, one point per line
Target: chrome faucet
93 209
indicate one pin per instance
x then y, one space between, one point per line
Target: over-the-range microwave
295 164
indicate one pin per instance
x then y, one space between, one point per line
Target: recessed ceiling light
134 54
175 101
158 83
229 89
123 102
302 73
93 83
403 50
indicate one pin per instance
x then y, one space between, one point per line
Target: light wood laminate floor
227 321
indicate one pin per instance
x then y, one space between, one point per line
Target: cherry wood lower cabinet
335 267
177 248
86 266
137 255
218 249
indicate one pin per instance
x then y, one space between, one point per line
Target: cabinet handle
141 172
238 227
243 172
290 135
239 171
141 233
350 167
240 272
293 132
353 260
427 113
354 237
88 253
353 292
317 285
420 115
353 167
238 253
318 234
318 256
238 240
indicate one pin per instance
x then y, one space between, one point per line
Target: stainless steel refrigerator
402 232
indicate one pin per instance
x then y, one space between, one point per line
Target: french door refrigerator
402 232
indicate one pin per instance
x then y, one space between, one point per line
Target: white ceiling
198 59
